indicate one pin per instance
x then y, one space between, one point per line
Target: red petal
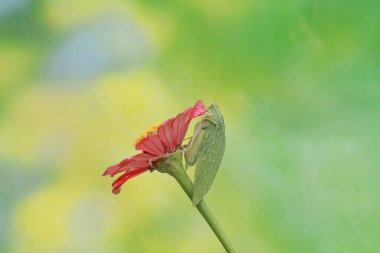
111 170
197 110
115 169
139 160
165 134
124 178
172 131
151 144
177 127
144 157
182 121
134 165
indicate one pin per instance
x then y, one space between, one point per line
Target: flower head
155 143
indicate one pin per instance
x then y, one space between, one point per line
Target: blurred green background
299 89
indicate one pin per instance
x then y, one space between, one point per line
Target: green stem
187 185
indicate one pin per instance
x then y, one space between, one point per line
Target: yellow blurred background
297 82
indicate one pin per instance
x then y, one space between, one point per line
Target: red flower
155 143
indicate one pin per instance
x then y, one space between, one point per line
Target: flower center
150 130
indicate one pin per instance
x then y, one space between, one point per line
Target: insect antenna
224 65
222 99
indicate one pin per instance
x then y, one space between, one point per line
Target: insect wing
210 153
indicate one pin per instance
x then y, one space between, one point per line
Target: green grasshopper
205 150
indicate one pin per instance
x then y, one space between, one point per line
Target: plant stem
187 185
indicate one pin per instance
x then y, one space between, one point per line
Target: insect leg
192 148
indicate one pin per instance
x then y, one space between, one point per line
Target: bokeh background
297 82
